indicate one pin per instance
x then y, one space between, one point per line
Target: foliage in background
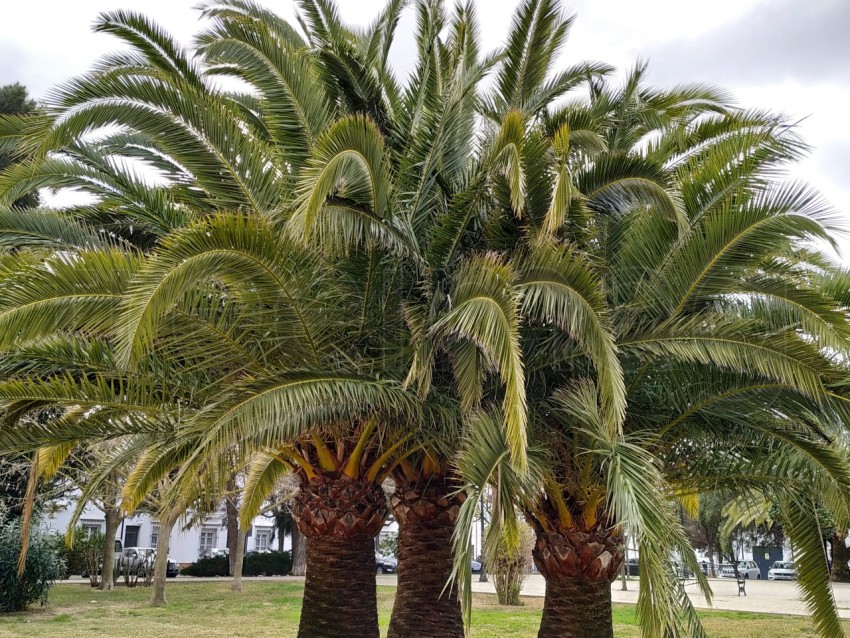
43 566
267 564
14 100
509 564
388 545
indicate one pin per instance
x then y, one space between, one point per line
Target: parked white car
141 559
746 568
782 570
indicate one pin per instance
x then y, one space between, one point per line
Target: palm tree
712 307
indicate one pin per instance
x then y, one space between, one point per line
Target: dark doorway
765 556
131 535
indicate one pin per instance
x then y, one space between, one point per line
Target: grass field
272 608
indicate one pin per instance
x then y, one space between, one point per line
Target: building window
92 526
208 538
263 540
154 534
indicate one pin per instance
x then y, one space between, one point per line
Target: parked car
386 564
218 551
476 566
782 570
632 567
142 559
746 568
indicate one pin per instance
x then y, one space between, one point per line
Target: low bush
43 566
86 555
269 564
214 566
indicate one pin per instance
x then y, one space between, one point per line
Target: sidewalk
768 597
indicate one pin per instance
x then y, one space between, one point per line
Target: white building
187 545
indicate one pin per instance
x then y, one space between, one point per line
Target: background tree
704 530
14 100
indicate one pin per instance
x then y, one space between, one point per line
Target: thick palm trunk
299 552
107 577
160 570
579 568
426 514
576 608
341 518
840 555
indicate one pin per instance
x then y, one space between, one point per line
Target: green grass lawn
210 609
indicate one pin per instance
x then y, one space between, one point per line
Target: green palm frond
243 252
264 473
69 292
157 46
246 42
802 527
559 288
44 228
537 33
507 156
265 412
486 312
485 460
638 497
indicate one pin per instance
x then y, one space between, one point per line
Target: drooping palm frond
243 252
486 312
264 473
69 292
559 288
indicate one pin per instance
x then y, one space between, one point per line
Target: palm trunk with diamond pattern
424 607
579 568
341 518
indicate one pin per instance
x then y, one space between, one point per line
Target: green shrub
86 556
214 566
43 566
269 564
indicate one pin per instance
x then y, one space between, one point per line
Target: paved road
767 597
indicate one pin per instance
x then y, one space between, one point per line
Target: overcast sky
791 56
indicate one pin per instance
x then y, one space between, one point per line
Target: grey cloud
38 73
778 40
833 162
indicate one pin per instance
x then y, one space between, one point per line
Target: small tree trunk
577 608
625 568
341 517
113 519
299 552
160 569
426 515
236 585
232 516
840 555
